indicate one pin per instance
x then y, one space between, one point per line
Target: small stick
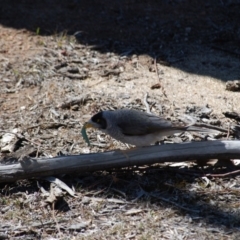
174 204
223 174
156 69
55 220
228 131
146 103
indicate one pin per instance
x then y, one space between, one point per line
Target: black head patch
100 120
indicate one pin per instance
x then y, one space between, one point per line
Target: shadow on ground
156 188
197 37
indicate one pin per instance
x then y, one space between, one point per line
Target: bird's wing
141 123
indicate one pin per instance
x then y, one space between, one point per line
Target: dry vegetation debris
50 95
50 85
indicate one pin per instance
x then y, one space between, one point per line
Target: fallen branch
35 168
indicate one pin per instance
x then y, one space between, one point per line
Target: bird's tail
204 128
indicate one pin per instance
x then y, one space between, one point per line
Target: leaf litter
42 95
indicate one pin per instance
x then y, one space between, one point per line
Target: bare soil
174 55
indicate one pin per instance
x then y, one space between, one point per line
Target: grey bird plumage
136 127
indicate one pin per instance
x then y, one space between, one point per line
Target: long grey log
34 168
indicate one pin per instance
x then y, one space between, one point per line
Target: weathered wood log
35 168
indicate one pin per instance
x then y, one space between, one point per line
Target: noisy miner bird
136 127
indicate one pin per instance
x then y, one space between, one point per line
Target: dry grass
39 74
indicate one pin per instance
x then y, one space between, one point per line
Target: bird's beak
88 125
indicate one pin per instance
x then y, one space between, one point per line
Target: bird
136 127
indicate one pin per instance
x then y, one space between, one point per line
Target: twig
146 103
223 174
56 222
120 192
228 131
143 192
156 69
173 203
97 83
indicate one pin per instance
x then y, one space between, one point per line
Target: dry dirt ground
176 55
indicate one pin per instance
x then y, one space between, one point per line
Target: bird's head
97 121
